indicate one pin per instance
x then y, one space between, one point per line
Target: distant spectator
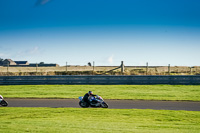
89 64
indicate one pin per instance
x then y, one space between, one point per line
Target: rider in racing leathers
86 97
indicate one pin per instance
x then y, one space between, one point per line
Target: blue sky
160 32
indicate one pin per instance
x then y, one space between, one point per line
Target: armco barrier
100 80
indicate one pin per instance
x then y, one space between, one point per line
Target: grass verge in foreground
64 120
144 92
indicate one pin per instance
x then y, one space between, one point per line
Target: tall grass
86 70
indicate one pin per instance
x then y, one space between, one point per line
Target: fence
54 69
101 80
99 70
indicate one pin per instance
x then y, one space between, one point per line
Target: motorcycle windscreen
80 98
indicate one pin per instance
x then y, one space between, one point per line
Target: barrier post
7 68
66 67
169 69
122 67
36 68
147 68
93 68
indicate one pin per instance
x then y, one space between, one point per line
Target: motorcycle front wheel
104 105
4 103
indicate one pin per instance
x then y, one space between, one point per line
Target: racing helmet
90 93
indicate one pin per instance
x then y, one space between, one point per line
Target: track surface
113 104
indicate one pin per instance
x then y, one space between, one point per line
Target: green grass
58 120
144 92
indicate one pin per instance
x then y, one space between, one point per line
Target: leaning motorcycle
95 101
2 101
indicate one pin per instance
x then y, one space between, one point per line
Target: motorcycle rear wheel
83 104
4 103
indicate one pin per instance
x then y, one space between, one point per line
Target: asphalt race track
113 104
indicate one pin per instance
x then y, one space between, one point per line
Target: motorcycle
2 101
95 101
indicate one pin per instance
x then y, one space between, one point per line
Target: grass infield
70 120
142 92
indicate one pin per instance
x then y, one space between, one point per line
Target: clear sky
159 32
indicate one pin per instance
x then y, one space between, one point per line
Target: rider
87 95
